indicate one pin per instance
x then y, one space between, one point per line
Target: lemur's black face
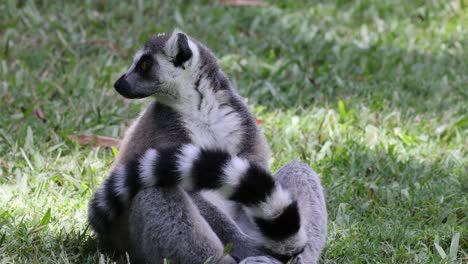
158 68
141 81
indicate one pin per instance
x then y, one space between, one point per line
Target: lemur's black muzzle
123 87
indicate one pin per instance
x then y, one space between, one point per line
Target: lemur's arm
193 168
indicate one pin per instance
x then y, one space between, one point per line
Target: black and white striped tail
193 168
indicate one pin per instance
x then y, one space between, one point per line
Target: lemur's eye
145 63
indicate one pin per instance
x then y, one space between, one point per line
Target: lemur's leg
167 224
304 185
274 210
243 245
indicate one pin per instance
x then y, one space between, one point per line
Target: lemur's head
163 67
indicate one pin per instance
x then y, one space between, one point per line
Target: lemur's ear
178 47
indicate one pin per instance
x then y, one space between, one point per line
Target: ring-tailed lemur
197 136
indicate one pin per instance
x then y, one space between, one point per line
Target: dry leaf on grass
3 163
39 114
243 2
95 140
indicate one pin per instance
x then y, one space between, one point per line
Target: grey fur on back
158 126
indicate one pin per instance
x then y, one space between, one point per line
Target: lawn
372 94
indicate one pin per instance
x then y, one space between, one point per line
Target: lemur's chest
214 125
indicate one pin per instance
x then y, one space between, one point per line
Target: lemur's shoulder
255 146
157 126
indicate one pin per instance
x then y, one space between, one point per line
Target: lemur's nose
121 84
130 91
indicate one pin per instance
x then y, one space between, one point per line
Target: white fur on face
136 58
167 72
177 77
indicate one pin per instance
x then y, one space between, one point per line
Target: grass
372 94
